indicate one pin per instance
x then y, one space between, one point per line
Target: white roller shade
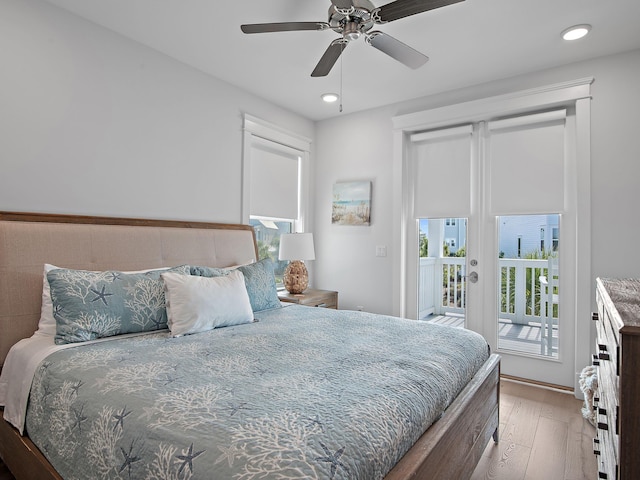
274 180
442 166
526 163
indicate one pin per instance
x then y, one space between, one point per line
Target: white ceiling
468 43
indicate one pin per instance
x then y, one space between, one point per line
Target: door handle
473 277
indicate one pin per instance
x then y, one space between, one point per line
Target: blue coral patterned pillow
261 285
89 305
209 272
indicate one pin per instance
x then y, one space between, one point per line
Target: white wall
359 146
355 147
93 123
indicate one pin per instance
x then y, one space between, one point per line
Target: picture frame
351 203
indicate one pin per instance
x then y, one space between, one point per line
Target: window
268 233
555 238
275 174
542 239
274 183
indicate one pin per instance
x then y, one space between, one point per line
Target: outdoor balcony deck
511 336
528 306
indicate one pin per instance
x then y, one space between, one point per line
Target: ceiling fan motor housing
352 22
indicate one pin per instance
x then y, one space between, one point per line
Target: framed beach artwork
351 203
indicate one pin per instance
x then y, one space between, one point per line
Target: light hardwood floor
542 437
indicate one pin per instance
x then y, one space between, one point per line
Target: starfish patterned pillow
89 305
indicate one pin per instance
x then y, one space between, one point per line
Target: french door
510 184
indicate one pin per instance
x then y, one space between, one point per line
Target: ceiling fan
355 18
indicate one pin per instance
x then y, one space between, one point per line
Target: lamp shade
296 246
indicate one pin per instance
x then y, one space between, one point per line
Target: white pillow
47 323
197 304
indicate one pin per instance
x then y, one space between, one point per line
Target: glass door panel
528 280
442 285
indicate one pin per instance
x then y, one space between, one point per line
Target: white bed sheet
17 374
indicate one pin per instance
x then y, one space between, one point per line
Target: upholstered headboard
28 241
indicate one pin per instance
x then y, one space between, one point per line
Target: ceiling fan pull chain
342 46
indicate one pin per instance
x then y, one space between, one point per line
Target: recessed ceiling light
330 97
576 32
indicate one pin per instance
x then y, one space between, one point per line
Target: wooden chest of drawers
618 359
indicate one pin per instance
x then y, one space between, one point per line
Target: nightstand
312 298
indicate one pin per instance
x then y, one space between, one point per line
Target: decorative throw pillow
197 304
47 324
89 305
261 285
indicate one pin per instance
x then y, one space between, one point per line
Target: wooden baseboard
537 383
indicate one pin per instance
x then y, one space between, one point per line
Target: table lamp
296 247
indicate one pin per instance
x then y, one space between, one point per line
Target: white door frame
573 94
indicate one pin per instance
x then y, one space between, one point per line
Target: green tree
424 246
263 250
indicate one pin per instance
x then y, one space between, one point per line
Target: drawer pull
596 446
602 411
603 426
602 475
594 316
603 355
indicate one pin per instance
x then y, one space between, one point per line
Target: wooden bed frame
450 448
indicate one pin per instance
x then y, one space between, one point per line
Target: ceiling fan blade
283 27
329 58
404 8
396 49
342 4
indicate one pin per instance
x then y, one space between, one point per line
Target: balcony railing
442 288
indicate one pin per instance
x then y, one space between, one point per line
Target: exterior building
519 234
524 234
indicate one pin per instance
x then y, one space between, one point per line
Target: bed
258 408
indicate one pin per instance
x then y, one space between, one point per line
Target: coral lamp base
296 277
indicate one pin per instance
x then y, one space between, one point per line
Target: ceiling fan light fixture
330 97
351 31
576 32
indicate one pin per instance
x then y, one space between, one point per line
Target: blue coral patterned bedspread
304 393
